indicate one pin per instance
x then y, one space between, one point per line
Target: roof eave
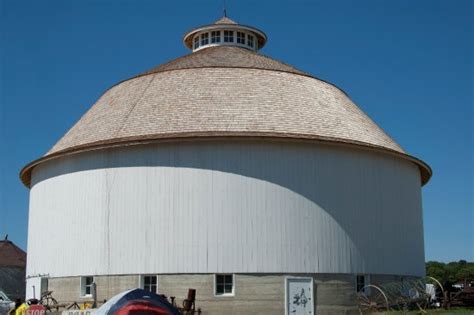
25 174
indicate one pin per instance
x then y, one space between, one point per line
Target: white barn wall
226 206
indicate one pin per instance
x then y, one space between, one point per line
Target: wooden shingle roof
225 20
226 57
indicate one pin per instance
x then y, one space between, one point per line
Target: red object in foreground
36 310
141 308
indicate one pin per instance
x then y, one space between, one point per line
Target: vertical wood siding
235 206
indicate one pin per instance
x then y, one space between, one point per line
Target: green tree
454 271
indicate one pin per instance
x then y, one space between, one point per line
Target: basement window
86 286
149 283
224 285
361 282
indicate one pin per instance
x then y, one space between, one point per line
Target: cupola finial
225 9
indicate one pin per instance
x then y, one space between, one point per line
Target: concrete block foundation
253 293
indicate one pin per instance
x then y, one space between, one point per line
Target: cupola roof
225 20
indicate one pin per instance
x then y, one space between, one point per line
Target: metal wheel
372 299
411 295
49 302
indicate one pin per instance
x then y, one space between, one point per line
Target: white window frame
250 43
243 38
215 285
205 37
141 281
218 37
198 43
232 37
83 286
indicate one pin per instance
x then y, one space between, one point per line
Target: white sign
299 296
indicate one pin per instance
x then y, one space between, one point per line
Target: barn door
299 296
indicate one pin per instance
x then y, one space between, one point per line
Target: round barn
261 186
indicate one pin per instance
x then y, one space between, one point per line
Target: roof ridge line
133 106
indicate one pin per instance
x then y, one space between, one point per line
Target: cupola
225 32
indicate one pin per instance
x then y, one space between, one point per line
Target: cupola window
215 37
229 36
196 42
240 38
250 40
204 39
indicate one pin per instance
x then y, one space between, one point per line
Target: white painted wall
34 288
210 206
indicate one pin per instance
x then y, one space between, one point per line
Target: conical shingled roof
226 57
225 20
223 91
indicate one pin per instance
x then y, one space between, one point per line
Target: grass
454 310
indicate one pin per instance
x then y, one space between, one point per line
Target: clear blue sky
408 64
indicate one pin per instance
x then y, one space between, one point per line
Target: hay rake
410 294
